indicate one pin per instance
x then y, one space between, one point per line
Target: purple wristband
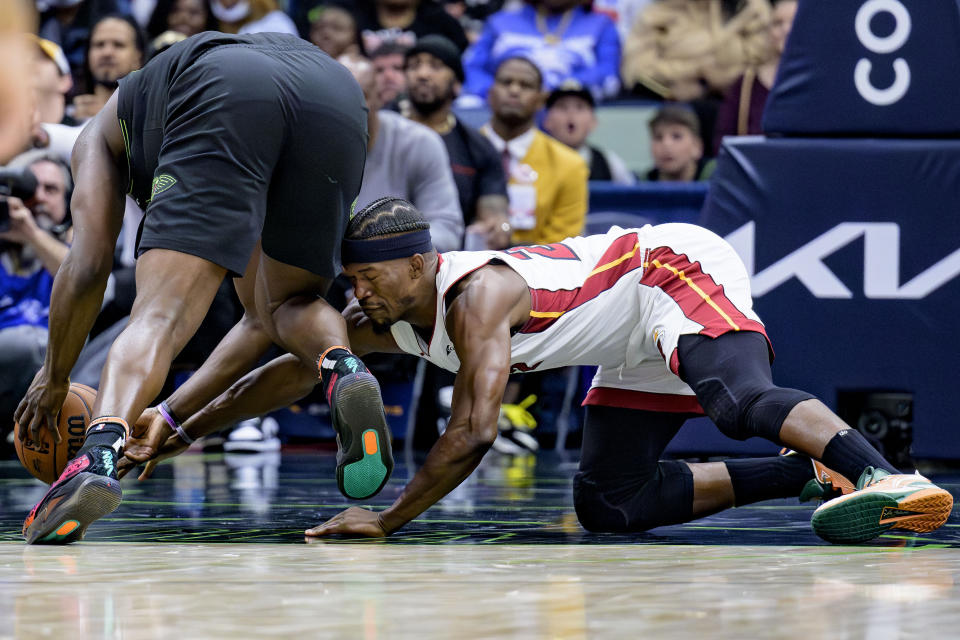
168 416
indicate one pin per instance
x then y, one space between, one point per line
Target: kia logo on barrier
882 45
881 263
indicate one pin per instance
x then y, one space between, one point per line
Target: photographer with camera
34 232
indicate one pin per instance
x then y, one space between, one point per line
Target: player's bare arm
97 208
479 320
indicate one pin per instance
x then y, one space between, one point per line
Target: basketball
45 459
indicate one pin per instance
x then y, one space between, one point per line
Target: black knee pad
593 511
721 406
666 498
766 413
754 410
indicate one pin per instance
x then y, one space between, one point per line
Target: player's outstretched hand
40 406
149 433
354 521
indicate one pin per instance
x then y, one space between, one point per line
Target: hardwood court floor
213 548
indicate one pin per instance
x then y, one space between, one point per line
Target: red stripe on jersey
646 401
546 306
699 296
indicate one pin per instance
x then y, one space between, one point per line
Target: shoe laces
871 475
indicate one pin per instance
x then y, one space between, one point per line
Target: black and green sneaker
364 455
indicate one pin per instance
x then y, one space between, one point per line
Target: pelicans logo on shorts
161 183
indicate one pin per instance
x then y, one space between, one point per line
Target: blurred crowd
538 70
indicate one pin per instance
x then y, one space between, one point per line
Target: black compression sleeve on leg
757 479
622 484
731 376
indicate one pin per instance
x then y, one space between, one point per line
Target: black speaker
885 418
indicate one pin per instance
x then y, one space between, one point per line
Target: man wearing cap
676 146
546 180
570 119
434 77
52 81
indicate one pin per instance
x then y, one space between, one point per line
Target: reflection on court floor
187 553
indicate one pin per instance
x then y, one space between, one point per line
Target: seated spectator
676 146
742 110
188 17
334 29
251 16
562 38
51 82
388 76
403 21
546 180
117 47
570 119
68 23
32 246
407 160
434 76
683 49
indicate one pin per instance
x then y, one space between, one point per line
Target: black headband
383 249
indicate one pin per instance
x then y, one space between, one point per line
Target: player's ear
417 264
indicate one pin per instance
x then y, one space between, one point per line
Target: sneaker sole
864 517
365 464
91 497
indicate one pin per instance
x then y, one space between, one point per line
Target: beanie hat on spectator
441 48
571 88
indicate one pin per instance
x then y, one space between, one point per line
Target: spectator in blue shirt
562 38
33 237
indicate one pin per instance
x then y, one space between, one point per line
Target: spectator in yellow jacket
546 180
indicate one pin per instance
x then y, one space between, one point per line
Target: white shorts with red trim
692 282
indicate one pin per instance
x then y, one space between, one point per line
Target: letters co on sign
882 46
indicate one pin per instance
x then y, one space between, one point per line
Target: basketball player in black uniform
246 153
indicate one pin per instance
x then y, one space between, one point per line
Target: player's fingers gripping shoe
85 492
883 501
364 456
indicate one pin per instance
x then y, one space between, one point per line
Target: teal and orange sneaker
883 501
86 491
826 483
364 454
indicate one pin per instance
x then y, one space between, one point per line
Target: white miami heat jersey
619 300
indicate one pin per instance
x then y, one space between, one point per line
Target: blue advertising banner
857 67
854 251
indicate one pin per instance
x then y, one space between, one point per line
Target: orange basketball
45 459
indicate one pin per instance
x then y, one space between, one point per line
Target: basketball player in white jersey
664 311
